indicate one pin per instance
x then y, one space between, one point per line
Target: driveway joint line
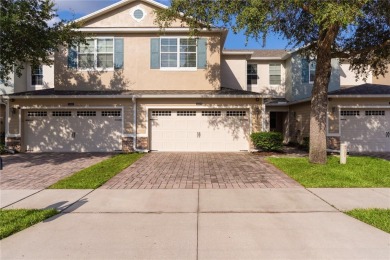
333 206
22 199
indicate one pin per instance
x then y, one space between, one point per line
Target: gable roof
115 6
363 90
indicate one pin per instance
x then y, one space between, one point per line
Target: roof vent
138 13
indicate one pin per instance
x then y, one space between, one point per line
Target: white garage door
199 130
366 130
86 130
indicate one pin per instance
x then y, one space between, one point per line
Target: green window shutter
202 53
155 53
72 57
305 70
118 57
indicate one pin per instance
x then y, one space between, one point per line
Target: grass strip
359 172
15 220
379 218
96 175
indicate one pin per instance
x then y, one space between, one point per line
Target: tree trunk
319 100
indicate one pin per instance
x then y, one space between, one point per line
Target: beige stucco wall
384 80
137 74
299 122
233 71
348 77
263 82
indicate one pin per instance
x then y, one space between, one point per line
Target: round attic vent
138 14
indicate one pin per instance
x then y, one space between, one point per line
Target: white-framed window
36 75
251 74
178 53
186 113
275 75
236 113
96 53
312 71
350 113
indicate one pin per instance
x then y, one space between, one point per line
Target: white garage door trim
25 110
356 146
248 109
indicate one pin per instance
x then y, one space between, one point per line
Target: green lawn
15 220
358 172
379 218
96 175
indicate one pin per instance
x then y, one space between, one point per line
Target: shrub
305 145
268 141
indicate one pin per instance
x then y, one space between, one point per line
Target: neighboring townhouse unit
358 114
134 87
32 78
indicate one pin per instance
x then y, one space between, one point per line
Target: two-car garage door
199 130
87 130
366 130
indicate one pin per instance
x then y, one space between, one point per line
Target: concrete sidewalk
197 224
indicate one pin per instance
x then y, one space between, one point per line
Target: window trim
32 75
178 68
269 74
310 62
95 68
257 74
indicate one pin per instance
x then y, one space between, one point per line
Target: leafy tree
355 30
26 34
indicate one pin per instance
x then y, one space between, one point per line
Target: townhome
358 113
134 87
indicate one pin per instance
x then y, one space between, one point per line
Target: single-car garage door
199 130
366 130
61 130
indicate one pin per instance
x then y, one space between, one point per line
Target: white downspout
134 99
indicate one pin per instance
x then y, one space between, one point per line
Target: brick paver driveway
40 170
200 170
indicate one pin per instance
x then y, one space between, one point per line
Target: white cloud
53 21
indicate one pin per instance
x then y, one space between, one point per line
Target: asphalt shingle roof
277 53
365 89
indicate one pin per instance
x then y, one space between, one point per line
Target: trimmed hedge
267 141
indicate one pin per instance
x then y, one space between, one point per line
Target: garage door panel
197 132
366 132
59 132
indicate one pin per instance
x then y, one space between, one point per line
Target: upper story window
308 70
96 53
275 75
251 74
37 75
178 53
312 71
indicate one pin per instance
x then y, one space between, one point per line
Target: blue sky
70 9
